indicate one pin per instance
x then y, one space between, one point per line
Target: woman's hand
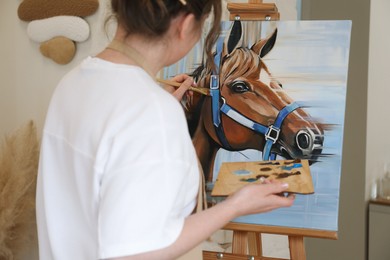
186 82
260 198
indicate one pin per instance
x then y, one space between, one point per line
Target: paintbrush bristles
203 91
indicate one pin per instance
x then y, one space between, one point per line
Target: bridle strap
215 97
274 130
243 120
271 133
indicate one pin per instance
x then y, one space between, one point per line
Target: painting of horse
277 91
249 108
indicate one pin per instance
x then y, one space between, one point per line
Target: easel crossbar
314 233
209 255
238 7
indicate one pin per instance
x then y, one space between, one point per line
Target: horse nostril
304 140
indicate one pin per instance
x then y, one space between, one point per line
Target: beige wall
28 78
352 215
378 118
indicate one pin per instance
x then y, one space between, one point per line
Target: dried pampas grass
19 153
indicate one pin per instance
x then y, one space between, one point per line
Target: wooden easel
254 10
247 244
247 241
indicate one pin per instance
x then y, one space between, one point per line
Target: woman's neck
152 56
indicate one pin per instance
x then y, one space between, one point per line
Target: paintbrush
203 91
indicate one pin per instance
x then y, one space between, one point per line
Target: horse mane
202 73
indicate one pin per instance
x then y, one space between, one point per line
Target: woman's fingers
259 198
185 85
180 77
186 82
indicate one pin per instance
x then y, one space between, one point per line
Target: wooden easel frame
247 244
254 10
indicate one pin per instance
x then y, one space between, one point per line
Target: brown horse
244 107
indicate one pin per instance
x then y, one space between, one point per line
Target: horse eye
239 87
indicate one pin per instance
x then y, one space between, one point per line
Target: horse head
248 108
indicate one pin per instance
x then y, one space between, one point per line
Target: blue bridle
271 133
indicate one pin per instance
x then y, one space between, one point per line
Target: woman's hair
152 18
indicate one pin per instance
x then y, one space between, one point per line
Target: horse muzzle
308 144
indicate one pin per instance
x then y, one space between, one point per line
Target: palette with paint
234 175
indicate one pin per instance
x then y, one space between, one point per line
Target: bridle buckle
272 134
214 82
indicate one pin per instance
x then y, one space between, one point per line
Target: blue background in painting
310 59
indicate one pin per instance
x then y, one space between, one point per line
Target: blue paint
249 180
242 172
294 166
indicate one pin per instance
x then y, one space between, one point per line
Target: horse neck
205 149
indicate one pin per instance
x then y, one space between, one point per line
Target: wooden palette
234 175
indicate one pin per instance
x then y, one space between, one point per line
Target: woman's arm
254 198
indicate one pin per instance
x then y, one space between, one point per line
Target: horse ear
235 36
262 47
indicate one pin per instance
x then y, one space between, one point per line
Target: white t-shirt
118 173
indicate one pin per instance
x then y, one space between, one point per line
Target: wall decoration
277 93
57 25
19 156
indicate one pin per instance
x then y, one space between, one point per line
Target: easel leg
297 248
254 244
247 243
240 242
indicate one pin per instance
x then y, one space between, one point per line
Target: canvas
278 91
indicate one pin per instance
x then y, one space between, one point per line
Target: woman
118 175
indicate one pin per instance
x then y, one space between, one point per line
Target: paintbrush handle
203 91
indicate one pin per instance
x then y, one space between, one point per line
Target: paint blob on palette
234 175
